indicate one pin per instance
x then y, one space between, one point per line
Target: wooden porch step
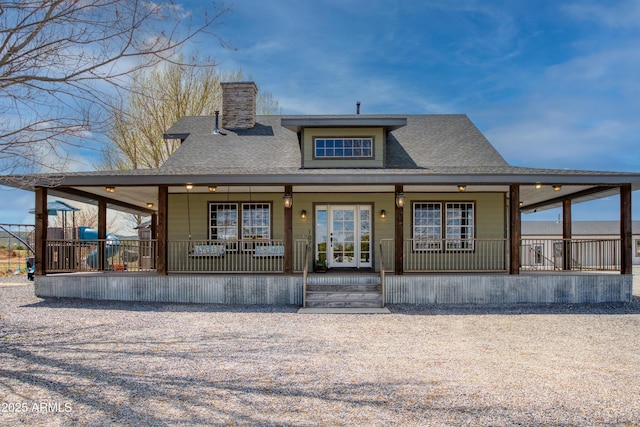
346 295
343 279
343 291
344 304
345 288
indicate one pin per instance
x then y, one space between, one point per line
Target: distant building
542 241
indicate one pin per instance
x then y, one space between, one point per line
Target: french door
343 235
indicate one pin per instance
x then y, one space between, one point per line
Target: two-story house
327 210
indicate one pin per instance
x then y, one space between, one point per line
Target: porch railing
206 256
491 255
447 255
232 256
246 256
570 254
100 255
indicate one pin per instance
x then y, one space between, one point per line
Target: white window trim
342 138
240 208
249 242
430 245
231 246
467 243
451 243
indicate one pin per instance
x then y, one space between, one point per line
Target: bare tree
59 59
88 216
157 99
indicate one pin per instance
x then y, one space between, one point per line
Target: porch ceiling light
110 189
303 214
399 199
189 186
538 185
557 187
287 200
212 188
462 187
383 214
150 205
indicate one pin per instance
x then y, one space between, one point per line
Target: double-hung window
256 223
223 223
251 222
427 226
452 226
460 227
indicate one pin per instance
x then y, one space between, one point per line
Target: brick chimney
239 105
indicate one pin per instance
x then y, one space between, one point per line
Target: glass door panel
342 236
322 236
365 236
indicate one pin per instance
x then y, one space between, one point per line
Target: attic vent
239 105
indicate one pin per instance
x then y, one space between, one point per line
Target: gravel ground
74 362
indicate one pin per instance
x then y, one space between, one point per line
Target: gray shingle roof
267 144
440 140
425 141
429 149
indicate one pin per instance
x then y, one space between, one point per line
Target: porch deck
224 272
279 289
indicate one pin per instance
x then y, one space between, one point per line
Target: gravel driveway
73 362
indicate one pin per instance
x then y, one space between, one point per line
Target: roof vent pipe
358 107
216 130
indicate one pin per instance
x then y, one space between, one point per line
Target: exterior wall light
462 187
303 214
399 199
557 187
110 189
383 214
212 188
287 200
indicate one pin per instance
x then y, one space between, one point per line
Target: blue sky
551 84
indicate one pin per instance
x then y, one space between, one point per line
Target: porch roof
139 187
486 175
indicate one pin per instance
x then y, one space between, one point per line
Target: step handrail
305 273
382 273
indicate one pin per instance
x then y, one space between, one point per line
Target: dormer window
343 148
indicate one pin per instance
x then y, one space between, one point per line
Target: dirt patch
6 253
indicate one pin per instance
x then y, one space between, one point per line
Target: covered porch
503 269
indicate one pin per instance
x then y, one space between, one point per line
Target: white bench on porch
268 251
207 251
